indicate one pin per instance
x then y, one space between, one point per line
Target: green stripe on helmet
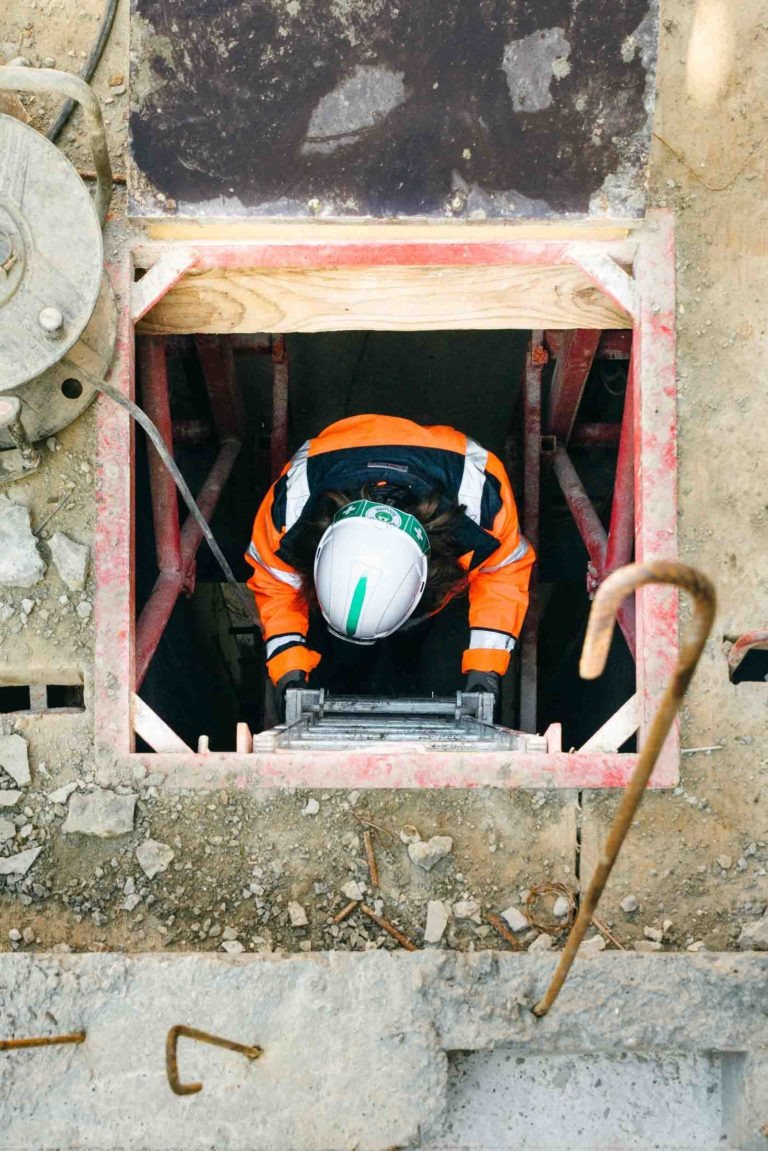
384 514
356 607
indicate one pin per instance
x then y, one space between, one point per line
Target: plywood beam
154 730
382 299
367 231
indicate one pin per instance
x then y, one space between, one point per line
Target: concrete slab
355 1052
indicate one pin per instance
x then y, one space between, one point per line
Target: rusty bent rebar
599 631
45 1041
202 1037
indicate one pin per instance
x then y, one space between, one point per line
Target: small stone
725 862
654 934
467 909
119 90
214 931
116 80
646 946
542 942
409 834
561 907
28 935
437 921
754 936
515 919
229 933
297 915
102 813
14 935
592 946
70 559
311 807
84 609
426 855
129 886
7 830
19 864
153 857
49 61
20 562
352 890
14 759
233 946
62 794
10 797
629 904
62 948
131 902
27 606
699 945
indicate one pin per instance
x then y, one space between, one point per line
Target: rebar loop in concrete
171 1064
594 654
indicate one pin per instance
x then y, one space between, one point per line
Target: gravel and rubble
21 565
70 559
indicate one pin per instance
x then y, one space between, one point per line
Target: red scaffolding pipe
587 435
153 367
217 360
535 359
596 539
278 443
572 367
621 532
582 509
177 565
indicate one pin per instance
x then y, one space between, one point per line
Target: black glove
485 681
290 679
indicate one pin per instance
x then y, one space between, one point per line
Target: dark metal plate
357 108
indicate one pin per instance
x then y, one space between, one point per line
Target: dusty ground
697 857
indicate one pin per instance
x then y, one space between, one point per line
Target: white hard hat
370 570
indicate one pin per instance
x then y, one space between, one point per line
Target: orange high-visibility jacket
387 450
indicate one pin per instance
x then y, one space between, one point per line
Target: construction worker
379 522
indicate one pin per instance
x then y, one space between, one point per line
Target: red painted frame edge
656 537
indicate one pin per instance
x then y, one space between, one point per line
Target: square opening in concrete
581 411
511 1100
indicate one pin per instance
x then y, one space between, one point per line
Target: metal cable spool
58 318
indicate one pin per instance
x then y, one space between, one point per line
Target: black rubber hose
143 419
107 20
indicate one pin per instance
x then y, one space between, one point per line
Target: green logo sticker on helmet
384 514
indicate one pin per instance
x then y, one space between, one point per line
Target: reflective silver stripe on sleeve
473 479
283 641
291 578
519 553
498 640
297 491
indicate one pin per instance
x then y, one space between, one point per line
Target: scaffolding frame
635 277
